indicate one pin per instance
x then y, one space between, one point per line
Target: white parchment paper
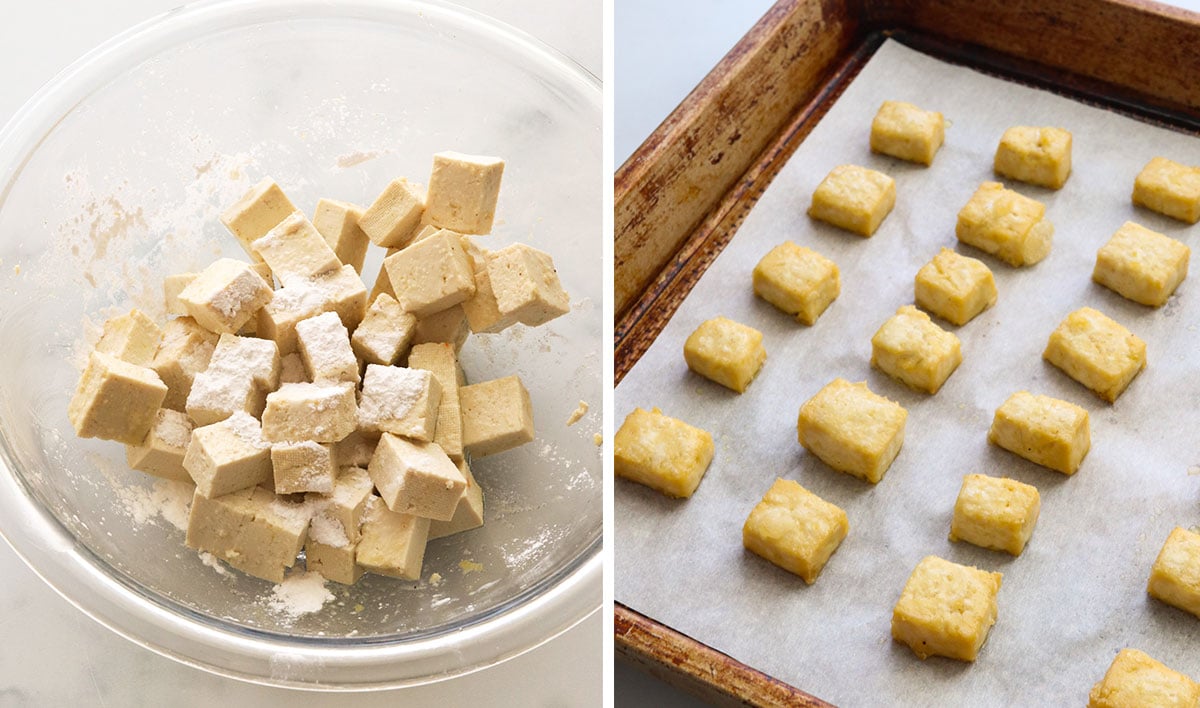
1077 594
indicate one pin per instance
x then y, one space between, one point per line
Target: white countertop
53 655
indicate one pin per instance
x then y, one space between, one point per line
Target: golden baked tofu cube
797 280
910 348
661 452
1043 430
1097 352
724 351
852 429
1008 225
116 400
1169 188
946 609
1142 265
854 198
337 222
902 130
1175 577
1135 680
954 287
1040 156
995 513
795 529
463 190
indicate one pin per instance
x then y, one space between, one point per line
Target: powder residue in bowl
166 498
300 594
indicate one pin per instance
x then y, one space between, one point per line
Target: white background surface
53 655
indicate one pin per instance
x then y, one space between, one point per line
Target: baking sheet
1077 594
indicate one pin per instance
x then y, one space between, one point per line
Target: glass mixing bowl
113 176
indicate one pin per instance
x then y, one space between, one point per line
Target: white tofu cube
392 544
325 349
225 295
295 250
469 512
440 360
463 190
416 478
251 529
257 212
385 333
399 401
116 400
228 456
184 352
448 326
172 286
341 511
310 411
161 453
132 337
526 285
481 309
303 466
337 222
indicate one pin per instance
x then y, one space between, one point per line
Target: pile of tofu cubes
311 416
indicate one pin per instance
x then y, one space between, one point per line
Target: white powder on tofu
329 531
172 429
246 428
291 514
300 594
390 393
300 297
325 341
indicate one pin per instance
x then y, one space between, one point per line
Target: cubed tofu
1135 680
482 309
440 360
303 466
852 429
1169 188
910 348
337 222
240 372
497 416
295 250
250 356
995 513
340 512
954 287
333 562
416 478
292 303
1040 156
228 456
132 337
343 292
257 212
905 131
1097 352
251 529
161 453
395 214
946 609
1008 225
469 512
116 400
463 190
797 280
431 275
526 285
184 352
400 401
448 326
310 411
795 529
1044 430
1175 577
854 198
386 332
325 349
356 449
663 453
291 369
1142 265
726 352
392 544
225 295
172 286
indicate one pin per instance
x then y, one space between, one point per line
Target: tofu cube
292 303
251 529
318 412
910 348
225 295
161 453
291 369
333 562
852 429
116 400
392 544
482 309
441 362
431 275
797 280
185 352
995 513
854 198
325 349
795 529
497 416
303 466
1043 430
1175 577
132 337
469 512
257 212
227 456
295 250
343 292
1141 265
1097 352
416 478
1008 225
342 510
448 326
1040 156
337 222
463 190
1169 188
1135 680
172 286
394 215
400 401
954 287
726 352
255 358
946 609
386 332
240 372
663 453
905 131
356 449
526 285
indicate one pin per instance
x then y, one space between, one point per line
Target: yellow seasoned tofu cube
910 348
854 198
1008 225
795 529
852 429
1135 680
1043 430
1142 265
662 453
995 513
1175 577
1097 352
797 280
727 352
905 131
955 287
1040 156
946 609
1169 188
